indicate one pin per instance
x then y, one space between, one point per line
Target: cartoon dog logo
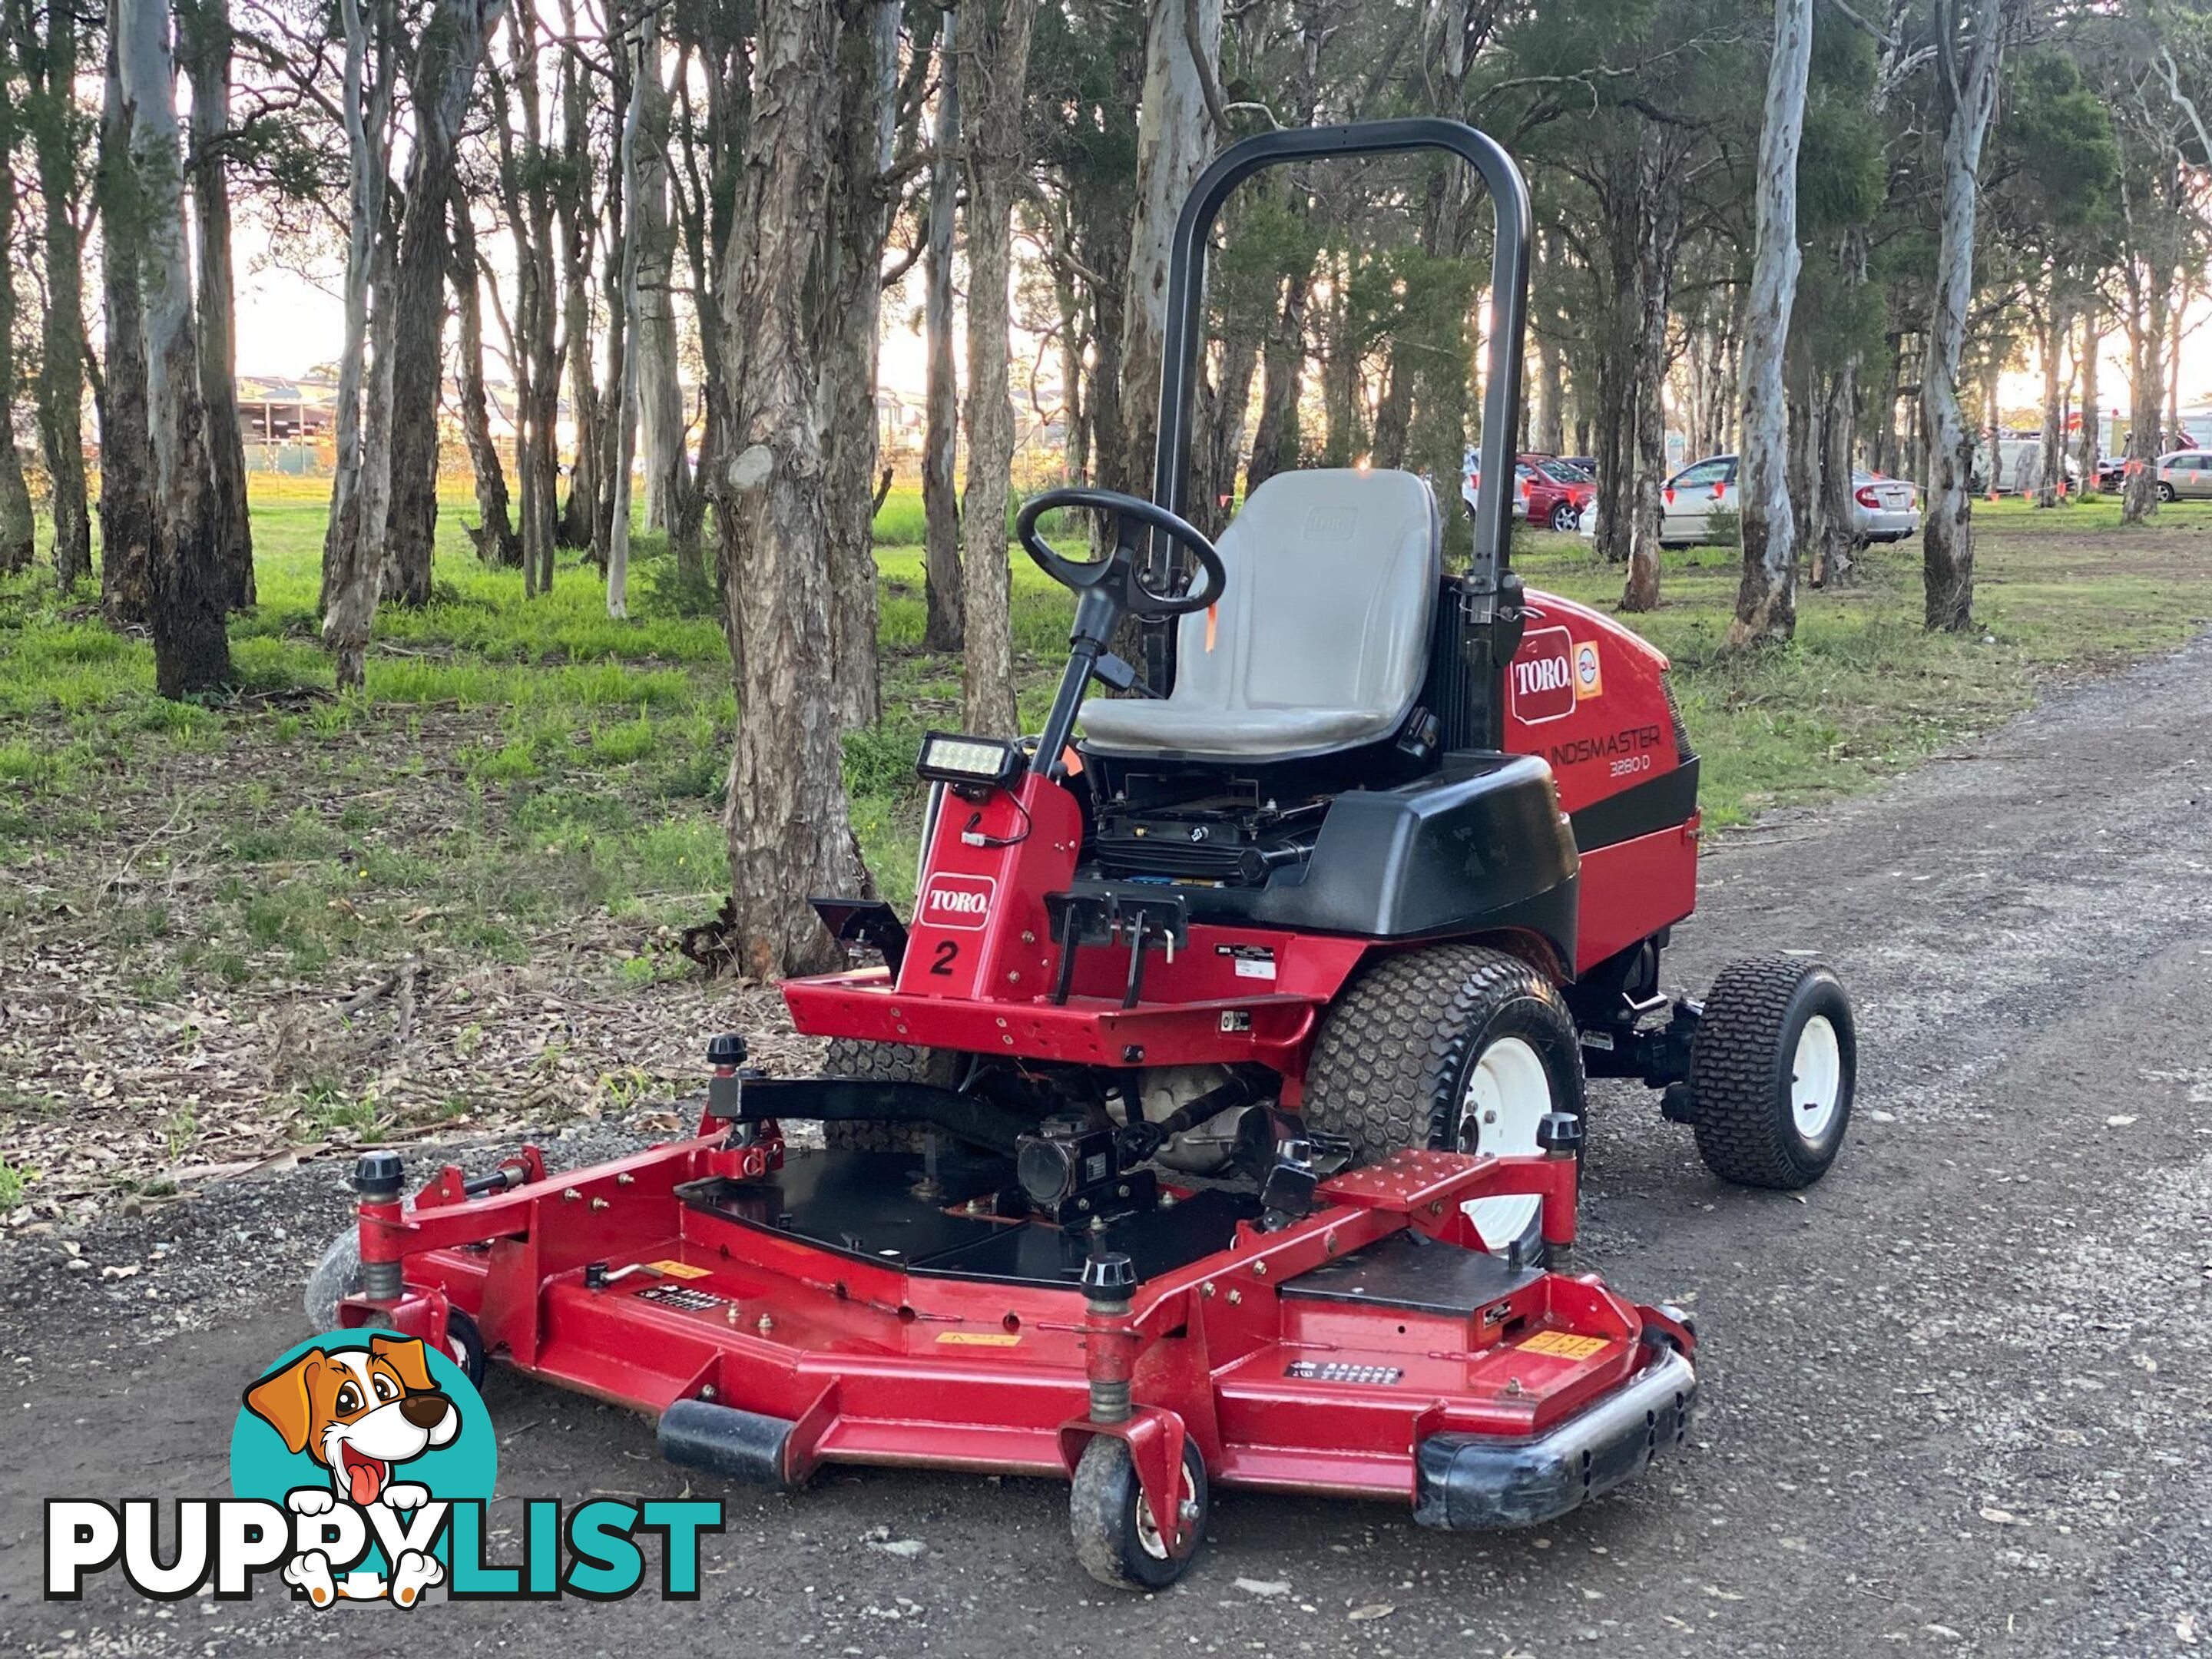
360 1414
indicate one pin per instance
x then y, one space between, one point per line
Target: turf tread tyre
1396 1045
1101 1518
884 1063
1740 1058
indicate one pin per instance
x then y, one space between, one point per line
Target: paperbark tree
644 70
860 221
203 41
789 831
943 628
496 544
1174 141
126 445
1970 51
994 45
187 584
49 62
18 535
1766 600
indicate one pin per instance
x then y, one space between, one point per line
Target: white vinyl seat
1321 639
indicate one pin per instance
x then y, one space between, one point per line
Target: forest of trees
1815 231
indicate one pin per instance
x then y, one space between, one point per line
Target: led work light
949 758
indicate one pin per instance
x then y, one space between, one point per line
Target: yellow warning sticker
677 1269
979 1338
1563 1345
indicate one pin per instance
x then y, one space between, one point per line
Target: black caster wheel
1116 1537
464 1345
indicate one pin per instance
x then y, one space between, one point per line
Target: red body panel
1583 692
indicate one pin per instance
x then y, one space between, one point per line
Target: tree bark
1657 241
943 629
789 832
2057 328
2146 340
994 72
186 576
663 431
496 544
18 535
204 42
2088 453
1767 599
1966 79
1175 140
522 172
49 113
1275 435
127 444
367 121
644 71
860 219
1833 557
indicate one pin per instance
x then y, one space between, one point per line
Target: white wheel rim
1148 1526
1507 1095
1816 1078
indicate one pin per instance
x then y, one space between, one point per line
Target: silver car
1883 509
2184 473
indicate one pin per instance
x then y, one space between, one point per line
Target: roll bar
1509 304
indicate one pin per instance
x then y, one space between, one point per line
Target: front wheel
2166 492
1455 1048
1565 518
1773 1064
1117 1538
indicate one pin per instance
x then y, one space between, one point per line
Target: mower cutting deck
779 1310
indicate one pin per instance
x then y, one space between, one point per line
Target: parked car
2112 474
2185 472
1557 491
1471 480
1581 464
1883 509
1689 500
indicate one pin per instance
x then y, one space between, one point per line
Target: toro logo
1544 677
960 901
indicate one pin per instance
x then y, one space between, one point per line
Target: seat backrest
1332 584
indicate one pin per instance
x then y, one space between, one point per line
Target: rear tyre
1116 1538
884 1063
1453 1046
1772 1068
2165 493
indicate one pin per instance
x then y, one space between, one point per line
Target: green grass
513 765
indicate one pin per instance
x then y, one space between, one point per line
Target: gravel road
1957 1397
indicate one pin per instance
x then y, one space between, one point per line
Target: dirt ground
1958 1399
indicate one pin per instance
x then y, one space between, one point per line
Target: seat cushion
1321 637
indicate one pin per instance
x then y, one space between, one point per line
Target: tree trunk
496 543
523 169
994 71
369 137
789 832
1275 437
577 218
1658 242
663 431
861 219
186 576
940 504
1833 557
2058 327
18 535
645 71
1766 600
127 444
1175 140
1967 82
2146 440
49 113
204 42
2088 453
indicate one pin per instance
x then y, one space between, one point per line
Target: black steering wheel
1116 577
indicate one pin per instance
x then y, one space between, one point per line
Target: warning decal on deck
676 1269
1564 1344
980 1339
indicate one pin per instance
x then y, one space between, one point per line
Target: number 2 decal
948 952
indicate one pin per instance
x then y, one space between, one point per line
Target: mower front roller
777 1311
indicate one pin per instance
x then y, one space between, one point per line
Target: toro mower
1214 1120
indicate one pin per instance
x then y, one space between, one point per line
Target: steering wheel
1115 578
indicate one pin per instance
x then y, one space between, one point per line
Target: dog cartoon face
357 1411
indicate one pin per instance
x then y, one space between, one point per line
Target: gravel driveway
1957 1397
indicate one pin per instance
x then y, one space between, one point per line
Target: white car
1689 500
1883 509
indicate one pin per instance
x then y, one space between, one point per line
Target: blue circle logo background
466 1466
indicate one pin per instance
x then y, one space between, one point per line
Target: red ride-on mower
1216 1121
